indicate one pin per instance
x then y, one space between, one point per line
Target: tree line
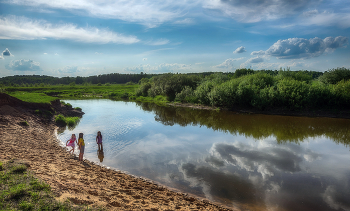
261 89
30 80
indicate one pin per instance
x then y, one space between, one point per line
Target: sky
93 37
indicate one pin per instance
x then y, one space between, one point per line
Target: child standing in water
71 143
81 146
99 140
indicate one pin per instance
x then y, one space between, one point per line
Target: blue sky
91 37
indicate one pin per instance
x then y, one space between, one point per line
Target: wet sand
82 182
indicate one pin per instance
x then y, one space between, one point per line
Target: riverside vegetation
260 89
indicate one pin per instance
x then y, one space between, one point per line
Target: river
255 162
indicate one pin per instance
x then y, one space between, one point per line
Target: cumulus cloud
229 63
295 48
161 68
24 65
240 50
6 52
261 52
21 28
149 13
254 11
255 60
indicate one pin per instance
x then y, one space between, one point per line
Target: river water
253 162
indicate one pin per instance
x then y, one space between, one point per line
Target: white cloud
240 50
144 59
23 65
261 52
229 63
250 11
6 52
149 13
293 48
158 42
21 28
313 17
255 60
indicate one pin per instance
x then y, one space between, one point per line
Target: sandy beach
82 182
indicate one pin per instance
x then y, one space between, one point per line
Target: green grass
20 190
48 93
32 97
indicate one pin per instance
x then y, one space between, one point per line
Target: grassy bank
47 93
21 190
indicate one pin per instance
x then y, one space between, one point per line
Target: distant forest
115 78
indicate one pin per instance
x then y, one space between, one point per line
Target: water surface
255 162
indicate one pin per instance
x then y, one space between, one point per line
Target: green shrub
143 89
202 92
71 121
60 120
341 92
292 94
334 76
78 108
124 95
186 95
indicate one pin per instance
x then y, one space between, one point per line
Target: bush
292 94
143 89
341 92
203 90
186 95
71 121
60 120
78 108
334 76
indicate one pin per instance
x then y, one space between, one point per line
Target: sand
82 182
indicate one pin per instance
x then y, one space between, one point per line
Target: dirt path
82 182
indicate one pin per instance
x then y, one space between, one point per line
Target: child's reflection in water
100 155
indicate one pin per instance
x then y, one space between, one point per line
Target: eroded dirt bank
81 182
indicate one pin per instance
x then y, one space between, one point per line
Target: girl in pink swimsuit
71 143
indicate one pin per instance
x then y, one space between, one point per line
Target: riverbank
85 183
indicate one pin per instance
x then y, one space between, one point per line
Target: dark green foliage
143 89
171 84
295 75
78 108
292 93
203 90
60 120
241 72
333 76
186 95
